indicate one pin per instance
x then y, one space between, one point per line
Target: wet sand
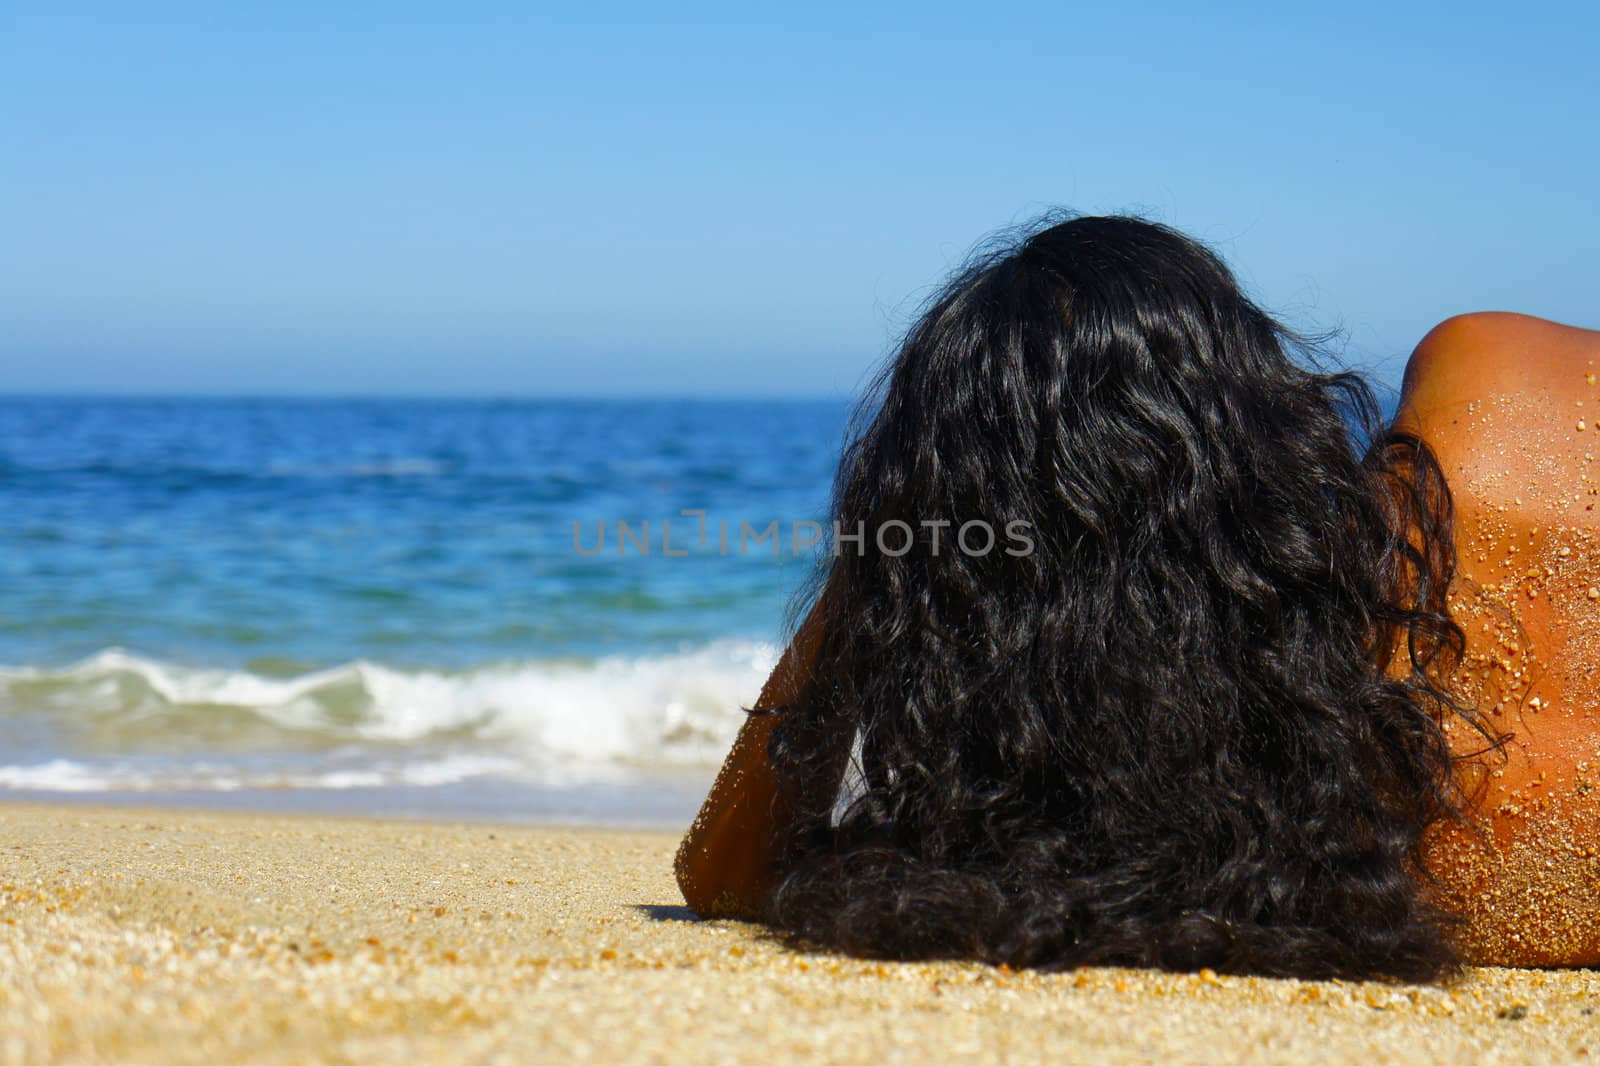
162 936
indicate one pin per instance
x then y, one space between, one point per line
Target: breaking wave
118 721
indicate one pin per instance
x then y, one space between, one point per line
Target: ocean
397 607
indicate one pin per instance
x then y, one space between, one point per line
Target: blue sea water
380 605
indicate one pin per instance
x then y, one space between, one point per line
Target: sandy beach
158 936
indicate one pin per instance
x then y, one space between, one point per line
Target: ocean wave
118 720
112 774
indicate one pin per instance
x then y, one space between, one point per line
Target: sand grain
138 936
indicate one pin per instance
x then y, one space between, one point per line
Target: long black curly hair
1198 723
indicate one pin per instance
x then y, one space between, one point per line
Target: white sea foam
111 774
392 468
120 721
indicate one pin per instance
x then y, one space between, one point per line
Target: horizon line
461 397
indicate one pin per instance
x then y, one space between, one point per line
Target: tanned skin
726 863
1509 405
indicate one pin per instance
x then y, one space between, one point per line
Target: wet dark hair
1199 723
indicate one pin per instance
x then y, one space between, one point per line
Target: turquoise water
379 605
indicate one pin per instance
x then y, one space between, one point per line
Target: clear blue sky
530 198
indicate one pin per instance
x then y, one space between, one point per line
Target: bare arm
725 864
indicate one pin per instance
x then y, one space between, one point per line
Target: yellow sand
160 936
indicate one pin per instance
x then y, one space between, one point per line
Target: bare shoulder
1510 406
1476 356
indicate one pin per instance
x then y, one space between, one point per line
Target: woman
1237 706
